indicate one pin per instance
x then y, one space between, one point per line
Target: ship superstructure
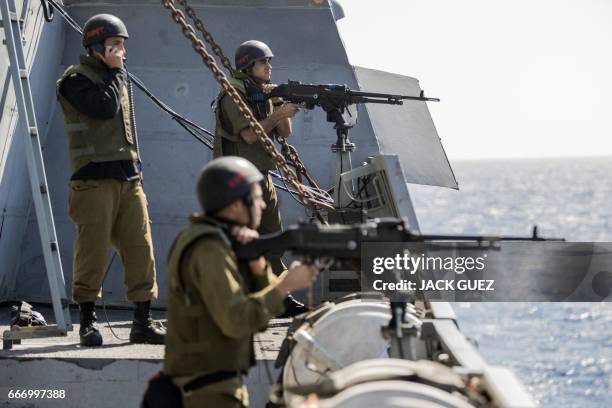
398 144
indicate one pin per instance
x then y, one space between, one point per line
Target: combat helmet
225 180
102 26
250 51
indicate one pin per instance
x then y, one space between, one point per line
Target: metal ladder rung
23 40
33 131
23 73
13 16
13 19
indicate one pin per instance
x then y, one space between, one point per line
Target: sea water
562 352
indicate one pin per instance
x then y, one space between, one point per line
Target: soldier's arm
236 313
284 127
98 101
263 276
241 127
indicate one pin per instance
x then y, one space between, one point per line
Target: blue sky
516 78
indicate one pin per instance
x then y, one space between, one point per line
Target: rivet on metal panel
182 90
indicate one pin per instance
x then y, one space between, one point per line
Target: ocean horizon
562 352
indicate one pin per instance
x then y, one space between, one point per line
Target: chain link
306 197
207 36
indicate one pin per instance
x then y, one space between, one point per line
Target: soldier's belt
208 379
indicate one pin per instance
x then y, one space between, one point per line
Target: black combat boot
89 334
293 307
144 328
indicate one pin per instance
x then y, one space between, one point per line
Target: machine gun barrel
345 241
392 99
336 96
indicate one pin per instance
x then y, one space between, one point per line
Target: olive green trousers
111 212
271 222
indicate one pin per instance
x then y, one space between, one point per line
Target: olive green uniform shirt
213 315
233 121
230 122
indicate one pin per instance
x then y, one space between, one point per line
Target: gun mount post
342 149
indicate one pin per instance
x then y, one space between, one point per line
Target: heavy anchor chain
292 156
307 198
207 36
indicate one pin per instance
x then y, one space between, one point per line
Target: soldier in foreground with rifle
215 302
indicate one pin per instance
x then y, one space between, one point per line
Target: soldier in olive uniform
215 302
107 202
235 137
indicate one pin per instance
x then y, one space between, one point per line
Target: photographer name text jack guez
481 285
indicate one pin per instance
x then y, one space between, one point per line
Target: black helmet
251 51
225 180
102 26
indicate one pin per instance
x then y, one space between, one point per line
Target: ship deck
115 373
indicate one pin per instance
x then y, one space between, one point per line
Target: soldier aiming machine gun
338 101
344 242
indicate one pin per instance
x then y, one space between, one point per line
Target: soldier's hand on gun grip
245 235
267 88
300 276
289 110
